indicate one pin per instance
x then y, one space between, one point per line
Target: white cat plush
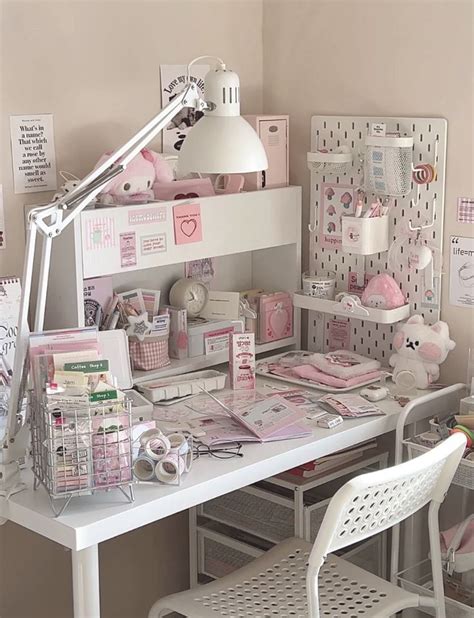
420 349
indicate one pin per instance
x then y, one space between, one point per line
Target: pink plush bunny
135 183
420 349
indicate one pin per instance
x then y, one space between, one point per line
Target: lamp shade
222 142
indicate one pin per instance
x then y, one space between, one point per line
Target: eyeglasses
225 452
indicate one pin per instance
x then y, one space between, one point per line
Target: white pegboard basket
464 476
329 162
388 164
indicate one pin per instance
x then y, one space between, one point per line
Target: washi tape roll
157 447
424 173
169 469
148 434
179 443
144 468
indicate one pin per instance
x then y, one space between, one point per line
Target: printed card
128 249
187 223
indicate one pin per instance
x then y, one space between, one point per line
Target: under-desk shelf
197 363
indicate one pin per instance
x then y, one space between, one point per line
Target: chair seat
275 585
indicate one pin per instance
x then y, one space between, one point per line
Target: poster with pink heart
187 223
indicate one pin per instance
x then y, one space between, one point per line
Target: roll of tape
147 435
169 469
144 468
157 447
179 444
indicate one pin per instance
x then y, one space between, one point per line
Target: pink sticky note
187 223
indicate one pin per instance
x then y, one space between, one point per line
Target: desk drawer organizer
264 514
81 450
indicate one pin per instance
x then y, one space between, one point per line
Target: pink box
275 317
183 189
242 361
273 132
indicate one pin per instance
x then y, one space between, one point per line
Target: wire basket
464 476
80 449
329 162
388 165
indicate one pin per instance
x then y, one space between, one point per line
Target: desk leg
85 582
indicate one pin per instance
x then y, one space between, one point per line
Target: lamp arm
50 221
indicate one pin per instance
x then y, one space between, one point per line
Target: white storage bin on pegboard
330 162
388 165
365 236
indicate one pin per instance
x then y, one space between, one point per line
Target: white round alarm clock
189 294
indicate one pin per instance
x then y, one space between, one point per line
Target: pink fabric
431 352
308 372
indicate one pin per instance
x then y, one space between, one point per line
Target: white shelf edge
185 365
381 316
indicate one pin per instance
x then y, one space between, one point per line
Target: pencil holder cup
152 353
365 236
388 163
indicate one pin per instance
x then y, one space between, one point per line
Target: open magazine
264 419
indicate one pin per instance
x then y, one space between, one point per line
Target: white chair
297 579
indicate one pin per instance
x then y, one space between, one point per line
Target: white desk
91 520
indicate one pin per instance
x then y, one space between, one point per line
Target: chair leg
436 564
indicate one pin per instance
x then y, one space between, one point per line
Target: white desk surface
92 519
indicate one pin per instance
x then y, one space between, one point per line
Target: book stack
331 462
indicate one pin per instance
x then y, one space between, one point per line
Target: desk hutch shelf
255 238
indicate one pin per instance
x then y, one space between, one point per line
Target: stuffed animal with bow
135 183
420 349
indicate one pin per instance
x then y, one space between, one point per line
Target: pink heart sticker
188 227
278 322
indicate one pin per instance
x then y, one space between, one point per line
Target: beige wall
386 58
95 67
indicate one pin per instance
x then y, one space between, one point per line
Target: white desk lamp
221 142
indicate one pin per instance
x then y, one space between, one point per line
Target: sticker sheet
336 202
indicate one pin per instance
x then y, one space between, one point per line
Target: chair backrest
373 502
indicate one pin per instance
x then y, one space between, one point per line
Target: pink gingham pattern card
465 209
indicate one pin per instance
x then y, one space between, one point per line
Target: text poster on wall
33 154
173 81
461 271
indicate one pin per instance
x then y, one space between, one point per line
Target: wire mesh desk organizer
80 449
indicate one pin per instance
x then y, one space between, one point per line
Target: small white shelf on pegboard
329 162
323 305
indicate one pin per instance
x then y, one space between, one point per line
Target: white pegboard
330 132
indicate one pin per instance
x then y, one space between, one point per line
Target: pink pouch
457 546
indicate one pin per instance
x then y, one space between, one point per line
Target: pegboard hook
420 228
414 203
